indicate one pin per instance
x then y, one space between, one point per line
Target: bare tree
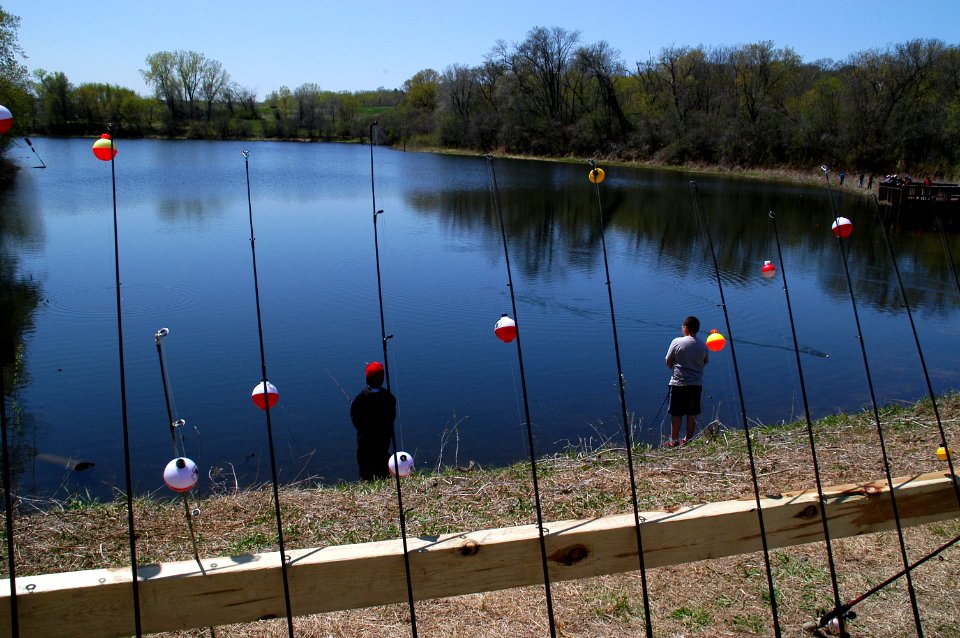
162 75
189 68
214 81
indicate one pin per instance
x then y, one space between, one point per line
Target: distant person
686 357
870 182
842 176
861 180
373 412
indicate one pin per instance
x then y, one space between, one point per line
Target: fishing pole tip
379 212
161 333
592 163
772 215
824 168
245 154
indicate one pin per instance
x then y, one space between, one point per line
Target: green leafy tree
14 81
53 92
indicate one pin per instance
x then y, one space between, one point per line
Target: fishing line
873 401
659 411
806 412
916 339
264 385
946 250
596 176
695 192
526 403
131 532
8 509
386 373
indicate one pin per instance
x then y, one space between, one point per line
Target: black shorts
685 400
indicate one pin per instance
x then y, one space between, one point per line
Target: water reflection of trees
19 298
555 226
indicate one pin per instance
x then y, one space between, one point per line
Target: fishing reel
828 624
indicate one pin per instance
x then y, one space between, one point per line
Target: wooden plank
247 588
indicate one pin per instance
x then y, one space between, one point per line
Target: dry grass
724 597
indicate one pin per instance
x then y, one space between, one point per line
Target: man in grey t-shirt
686 357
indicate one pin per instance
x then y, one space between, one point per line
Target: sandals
672 443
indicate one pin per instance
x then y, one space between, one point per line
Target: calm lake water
186 264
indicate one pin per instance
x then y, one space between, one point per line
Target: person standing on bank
373 412
686 357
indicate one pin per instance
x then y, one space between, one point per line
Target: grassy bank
782 174
723 597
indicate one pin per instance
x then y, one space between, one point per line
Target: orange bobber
716 341
104 149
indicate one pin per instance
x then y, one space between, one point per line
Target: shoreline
719 597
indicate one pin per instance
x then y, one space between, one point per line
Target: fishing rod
175 424
105 150
265 386
180 474
43 165
843 610
386 373
8 509
596 176
841 228
526 403
695 192
916 339
813 447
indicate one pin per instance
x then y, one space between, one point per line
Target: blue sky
354 46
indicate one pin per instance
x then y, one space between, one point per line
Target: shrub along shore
721 597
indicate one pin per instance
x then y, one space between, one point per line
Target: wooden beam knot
570 555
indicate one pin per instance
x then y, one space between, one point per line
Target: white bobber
181 474
401 460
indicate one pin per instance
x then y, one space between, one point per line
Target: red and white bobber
842 227
181 474
768 270
273 395
506 329
401 462
6 119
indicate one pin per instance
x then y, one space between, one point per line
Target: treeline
887 110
